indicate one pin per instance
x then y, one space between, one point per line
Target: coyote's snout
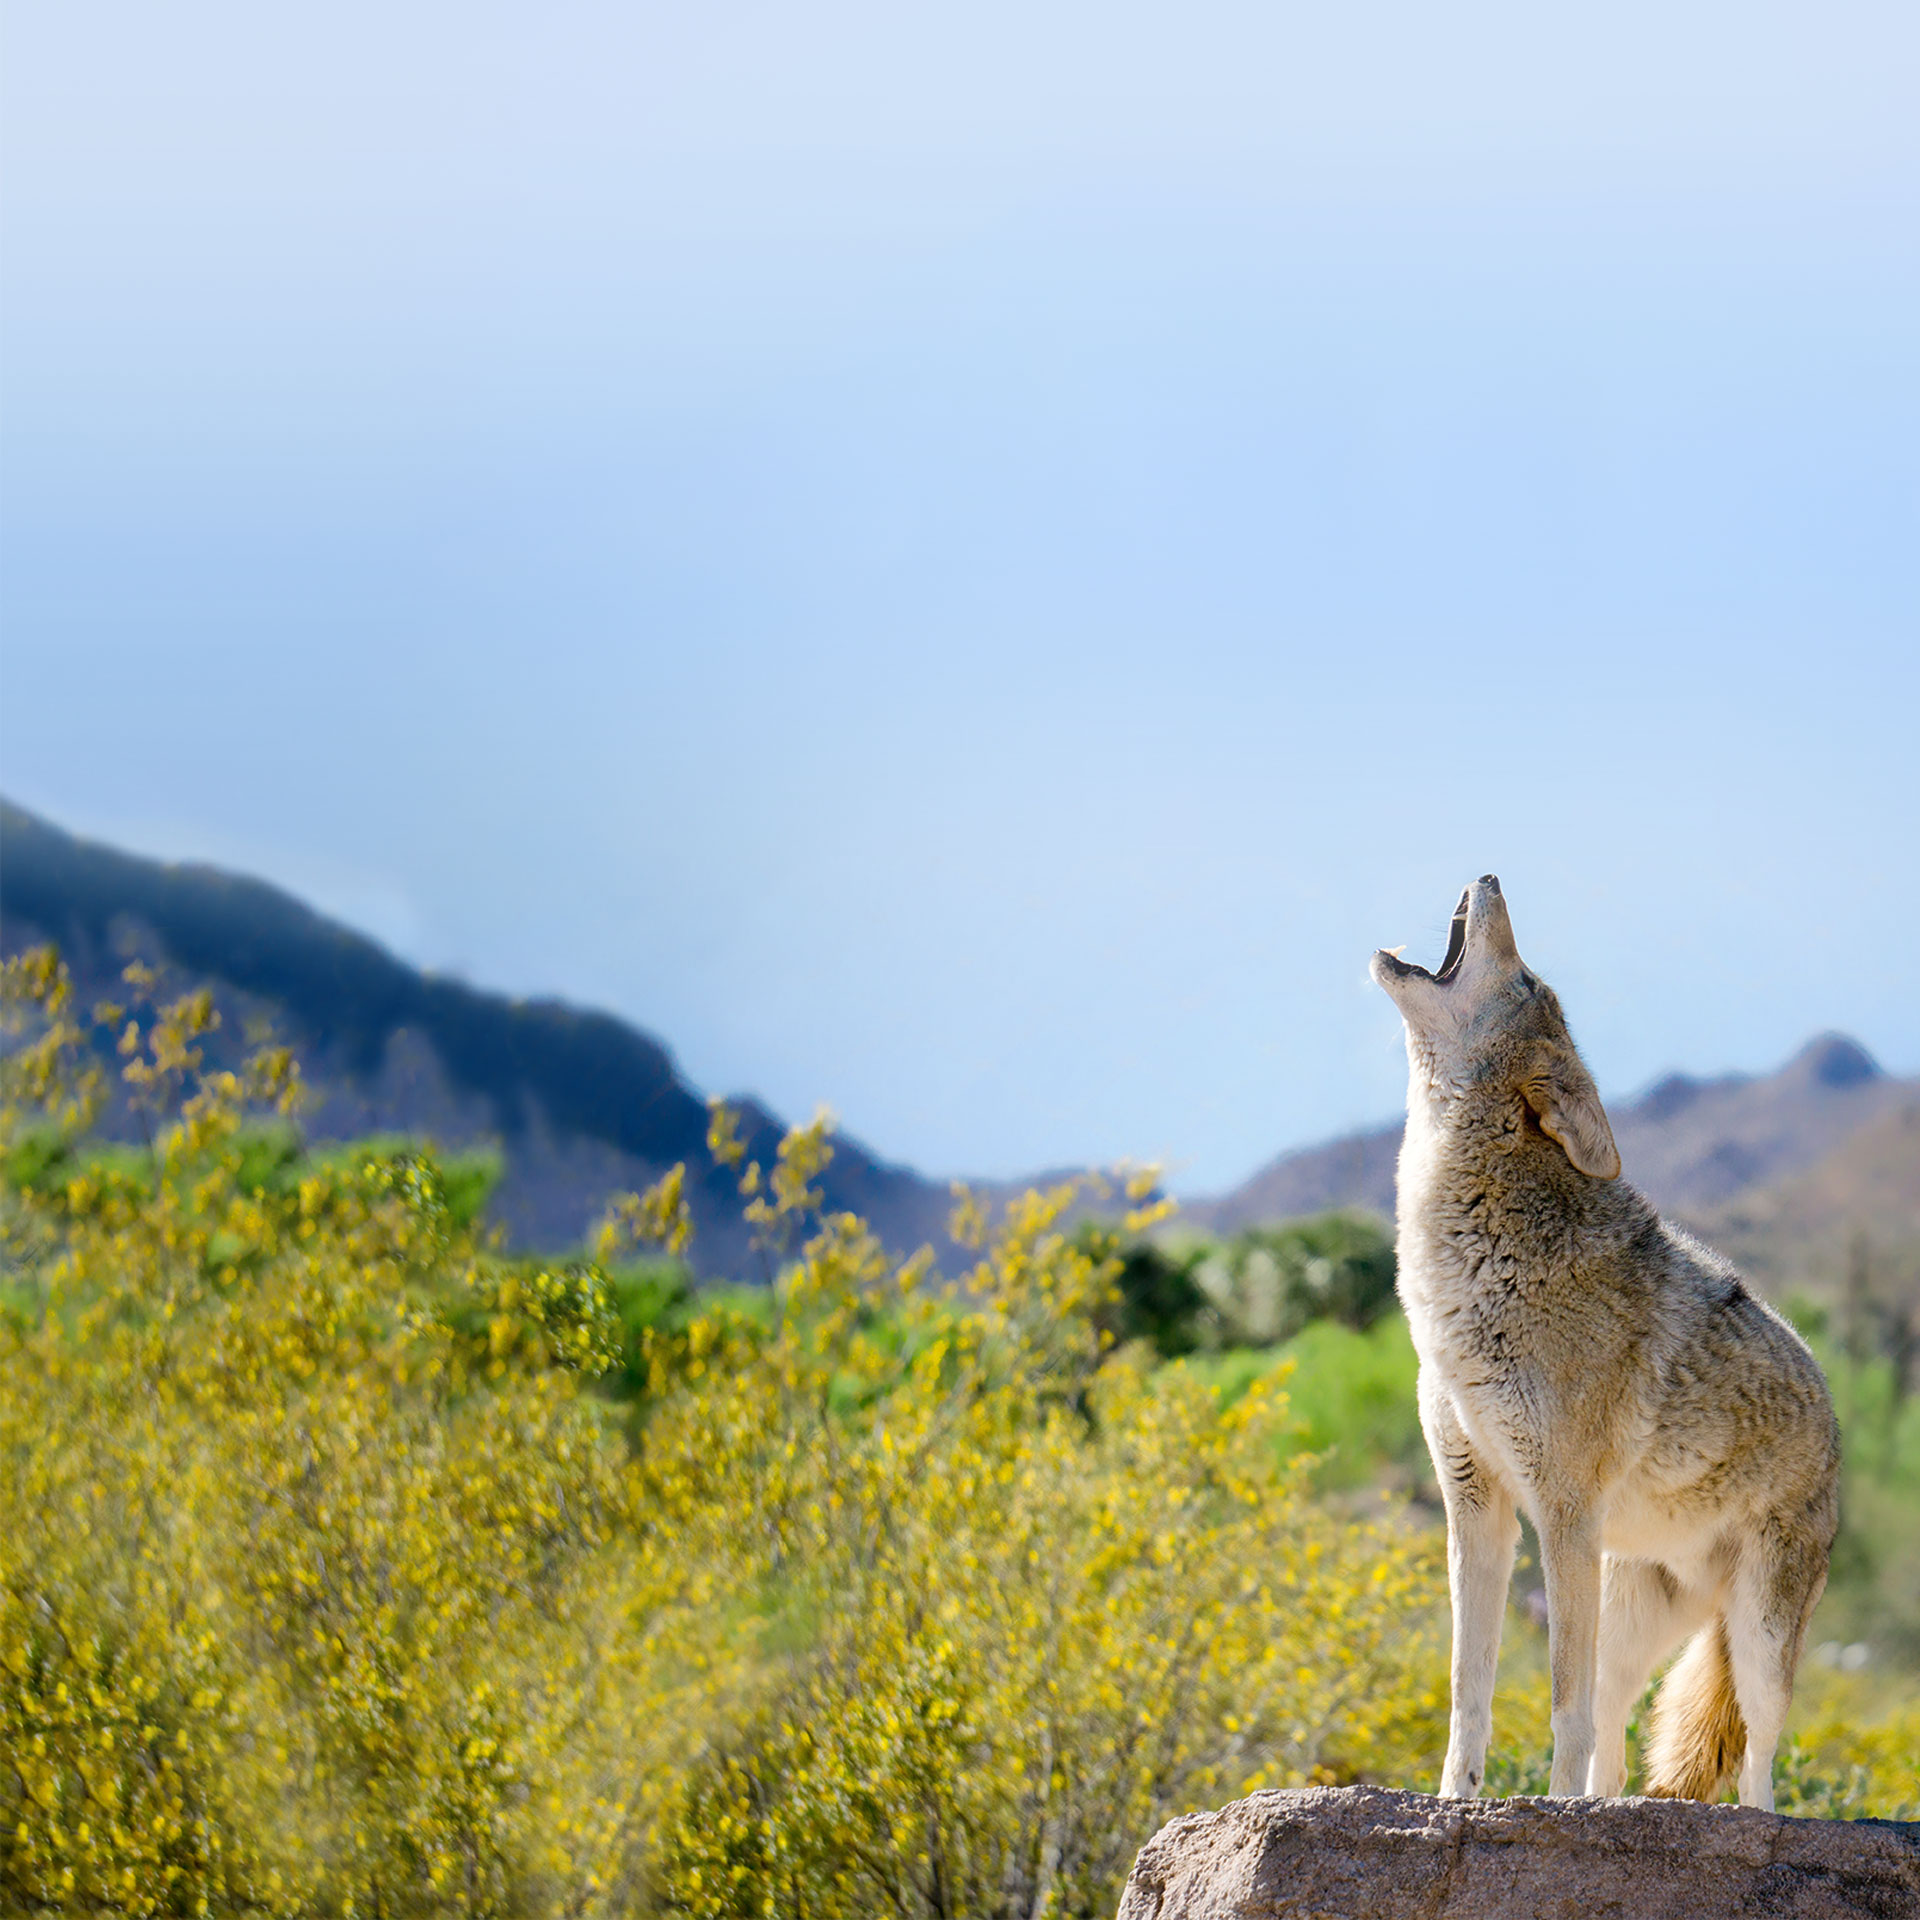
1669 1436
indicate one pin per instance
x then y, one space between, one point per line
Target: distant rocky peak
1665 1098
1833 1060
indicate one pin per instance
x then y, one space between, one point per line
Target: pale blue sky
970 563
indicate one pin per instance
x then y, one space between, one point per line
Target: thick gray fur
1669 1436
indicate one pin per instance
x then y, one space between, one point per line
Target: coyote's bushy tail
1699 1737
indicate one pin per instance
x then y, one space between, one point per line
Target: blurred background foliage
354 1567
1187 1292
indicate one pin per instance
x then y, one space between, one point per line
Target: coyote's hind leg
1482 1532
1774 1589
1644 1613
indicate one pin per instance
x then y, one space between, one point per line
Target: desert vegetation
353 1567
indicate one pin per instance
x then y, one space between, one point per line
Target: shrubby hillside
1791 1171
579 1103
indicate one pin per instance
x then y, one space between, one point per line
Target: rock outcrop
1366 1853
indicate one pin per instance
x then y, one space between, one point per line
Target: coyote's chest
1478 1334
1531 1358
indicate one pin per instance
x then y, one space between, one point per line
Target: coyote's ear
1567 1105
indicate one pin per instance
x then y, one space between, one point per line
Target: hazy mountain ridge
1786 1171
584 1104
1854 1215
1782 1170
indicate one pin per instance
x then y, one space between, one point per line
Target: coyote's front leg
1570 1558
1482 1533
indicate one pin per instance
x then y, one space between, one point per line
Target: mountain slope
1785 1170
1690 1145
1854 1214
583 1103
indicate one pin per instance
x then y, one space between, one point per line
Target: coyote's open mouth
1456 949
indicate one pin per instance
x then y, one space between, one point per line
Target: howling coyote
1669 1436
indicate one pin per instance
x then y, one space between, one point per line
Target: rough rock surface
1365 1853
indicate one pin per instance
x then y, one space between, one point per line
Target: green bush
1188 1293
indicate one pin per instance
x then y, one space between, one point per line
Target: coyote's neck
1485 1199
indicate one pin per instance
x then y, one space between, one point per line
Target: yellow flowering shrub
332 1583
1021 1602
1852 1748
